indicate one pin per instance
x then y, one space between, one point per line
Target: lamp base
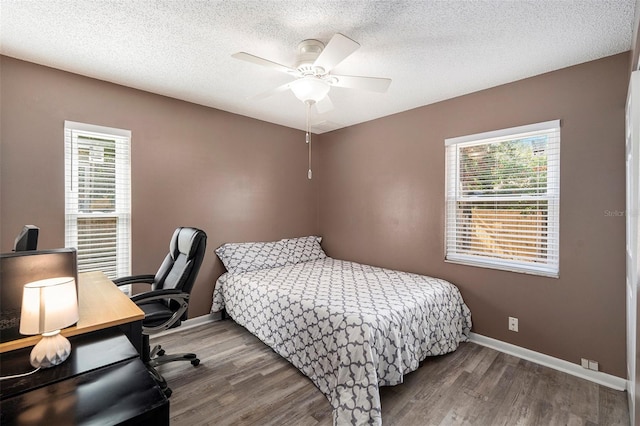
51 350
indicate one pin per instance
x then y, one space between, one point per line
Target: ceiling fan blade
336 51
324 105
264 62
373 84
272 92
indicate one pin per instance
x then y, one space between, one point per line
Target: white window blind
98 197
502 199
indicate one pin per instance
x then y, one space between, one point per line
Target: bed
349 327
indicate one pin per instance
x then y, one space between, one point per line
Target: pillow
304 249
246 257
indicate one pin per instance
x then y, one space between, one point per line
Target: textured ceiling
432 50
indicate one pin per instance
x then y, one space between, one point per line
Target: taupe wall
235 177
382 203
380 187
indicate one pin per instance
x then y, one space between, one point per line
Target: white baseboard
190 323
598 377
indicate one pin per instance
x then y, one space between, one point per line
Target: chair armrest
149 296
178 296
134 279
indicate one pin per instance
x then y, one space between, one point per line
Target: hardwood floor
241 381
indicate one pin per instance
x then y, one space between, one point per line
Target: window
97 197
502 199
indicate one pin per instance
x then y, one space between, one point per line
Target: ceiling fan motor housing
308 52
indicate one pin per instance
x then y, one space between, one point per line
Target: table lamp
48 306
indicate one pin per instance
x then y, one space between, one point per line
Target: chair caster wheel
160 352
168 392
195 362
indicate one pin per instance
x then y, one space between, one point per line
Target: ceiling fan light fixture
310 89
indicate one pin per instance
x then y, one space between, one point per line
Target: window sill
503 267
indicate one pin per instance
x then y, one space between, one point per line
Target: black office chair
165 306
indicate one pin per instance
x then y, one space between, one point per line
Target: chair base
156 356
162 383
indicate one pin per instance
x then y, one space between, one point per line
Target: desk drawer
123 393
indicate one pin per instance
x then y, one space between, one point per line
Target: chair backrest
181 266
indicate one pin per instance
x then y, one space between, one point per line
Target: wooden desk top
101 304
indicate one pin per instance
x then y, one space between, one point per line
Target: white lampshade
310 89
48 305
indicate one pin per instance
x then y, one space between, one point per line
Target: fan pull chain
308 139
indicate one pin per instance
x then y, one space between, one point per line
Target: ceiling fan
313 71
313 77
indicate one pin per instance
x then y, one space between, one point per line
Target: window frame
453 196
121 186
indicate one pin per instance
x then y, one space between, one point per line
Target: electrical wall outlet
589 364
513 324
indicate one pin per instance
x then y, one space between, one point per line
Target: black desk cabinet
103 382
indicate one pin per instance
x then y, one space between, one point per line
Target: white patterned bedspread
349 327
